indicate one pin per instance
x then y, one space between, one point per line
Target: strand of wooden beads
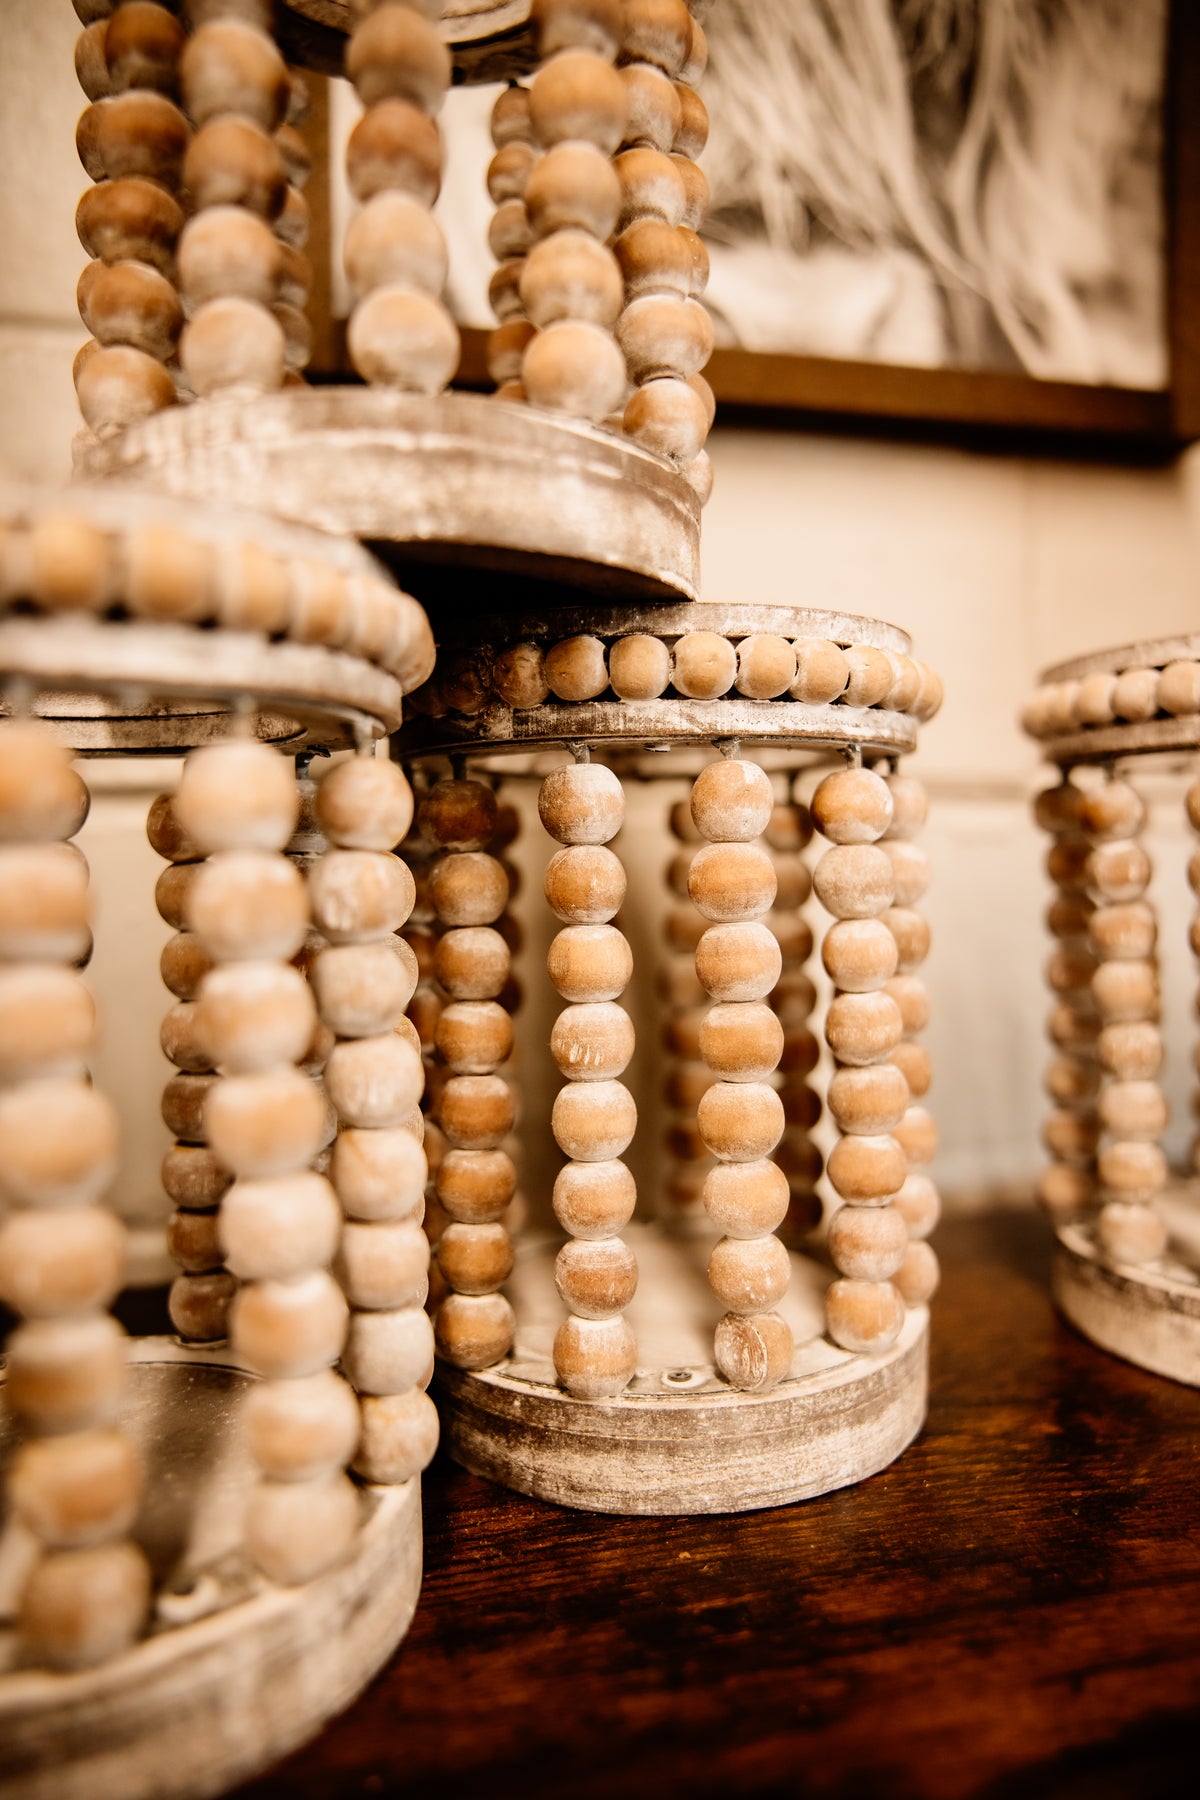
400 334
509 239
1067 1187
788 832
664 331
194 1180
590 964
741 1117
1193 875
291 230
266 1120
687 1074
1131 1167
235 91
918 1201
868 1094
570 286
476 1178
363 980
75 1482
131 141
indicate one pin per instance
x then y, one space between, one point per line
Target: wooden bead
1132 1168
862 1028
1133 1109
519 677
868 1170
378 1174
233 162
199 1304
227 66
374 1082
360 896
1128 930
704 668
181 1039
288 1329
474 1331
474 1036
653 258
42 799
165 834
47 1022
1066 916
594 1199
65 1374
1131 1233
253 1015
266 1124
76 1490
393 241
58 1143
1117 870
511 122
388 1352
800 1053
871 675
395 54
509 171
912 997
236 795
916 1280
590 962
130 303
731 799
399 1437
865 1317
363 989
766 666
1113 810
476 1112
1135 694
243 905
129 220
853 806
120 385
192 1176
859 955
274 1229
595 1358
62 1262
1126 990
472 962
365 803
652 186
475 1186
582 804
692 134
577 97
458 815
228 251
380 1267
822 672
192 1242
854 881
749 1275
654 113
754 1353
296 1529
585 884
738 962
918 1205
746 1199
91 63
569 275
81 1608
592 1042
658 32
1070 1081
475 1259
664 335
593 1121
740 1121
1064 1191
1068 1136
1075 1032
596 1279
574 367
741 1042
395 146
403 339
573 188
667 417
133 135
301 1430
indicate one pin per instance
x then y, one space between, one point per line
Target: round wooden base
1148 1314
234 1673
679 1439
456 479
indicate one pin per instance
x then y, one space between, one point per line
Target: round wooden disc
235 1673
1149 1314
457 479
679 1439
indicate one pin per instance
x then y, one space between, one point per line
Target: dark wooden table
1012 1609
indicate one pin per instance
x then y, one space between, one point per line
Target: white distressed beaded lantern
661 1346
214 1540
1127 1257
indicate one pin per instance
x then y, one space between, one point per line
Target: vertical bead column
741 1117
1071 1133
363 980
1193 876
194 1180
594 1118
131 141
508 238
789 830
235 90
868 1095
291 229
75 1481
1131 1167
687 1074
664 331
917 1201
476 1178
570 286
279 1223
400 334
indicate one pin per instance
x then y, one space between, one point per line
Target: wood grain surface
1013 1608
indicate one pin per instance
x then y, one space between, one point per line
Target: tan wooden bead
288 1329
363 989
506 347
590 962
574 367
233 162
1132 1109
577 97
576 670
403 339
746 1199
236 795
1070 1136
472 962
593 1121
800 1054
129 220
592 1042
192 1176
911 932
1068 915
795 939
182 1041
91 61
868 1243
199 1304
582 804
1094 699
1067 864
741 1042
1126 990
910 806
1075 1032
378 1174
265 1124
766 666
165 834
654 113
394 146
653 258
666 416
912 997
732 880
738 962
1117 870
822 672
130 303
243 905
855 881
753 1353
916 1280
47 1022
1179 688
594 1199
692 134
280 1227
519 677
474 1036
296 1529
475 1259
573 187
81 1608
192 1242
639 667
395 54
511 122
794 997
76 1490
683 825
853 806
918 1205
119 385
686 1085
475 1186
1131 1233
303 1429
585 884
1127 930
509 171
1132 1168
569 275
252 1015
871 675
399 1437
228 66
863 1316
384 1266
62 1262
862 1028
658 32
504 289
476 1112
1064 1191
868 1170
458 814
740 1121
133 135
578 25
705 667
389 1351
1059 809
731 799
596 1278
66 1374
859 955
1113 810
41 796
360 896
917 1135
748 1275
1135 695
662 334
365 803
595 1358
1072 1081
651 187
374 1082
393 241
58 1143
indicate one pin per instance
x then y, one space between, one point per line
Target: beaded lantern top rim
1141 698
1143 653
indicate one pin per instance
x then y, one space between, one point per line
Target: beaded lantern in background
1127 1263
180 1508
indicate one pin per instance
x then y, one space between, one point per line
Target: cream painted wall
995 564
